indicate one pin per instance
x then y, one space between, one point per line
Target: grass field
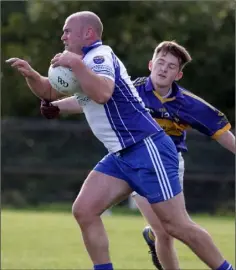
44 240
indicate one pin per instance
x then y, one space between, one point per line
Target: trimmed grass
52 240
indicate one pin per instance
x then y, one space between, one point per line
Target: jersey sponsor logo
164 113
103 69
99 59
160 113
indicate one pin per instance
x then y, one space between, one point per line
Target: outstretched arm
227 140
207 119
51 110
68 105
38 84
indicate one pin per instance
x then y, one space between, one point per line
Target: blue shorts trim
164 182
150 167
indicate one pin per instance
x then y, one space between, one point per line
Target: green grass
52 240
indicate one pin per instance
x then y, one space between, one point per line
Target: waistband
137 144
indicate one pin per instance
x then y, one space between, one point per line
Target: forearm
41 87
68 105
227 140
96 87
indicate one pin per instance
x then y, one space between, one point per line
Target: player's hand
48 110
22 66
65 59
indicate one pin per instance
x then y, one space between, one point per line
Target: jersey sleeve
205 118
102 64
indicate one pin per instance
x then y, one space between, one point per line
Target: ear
150 65
179 76
89 33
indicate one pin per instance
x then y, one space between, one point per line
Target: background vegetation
32 30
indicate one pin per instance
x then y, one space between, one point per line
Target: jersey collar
149 86
95 44
175 88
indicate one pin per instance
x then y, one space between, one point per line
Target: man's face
165 69
73 37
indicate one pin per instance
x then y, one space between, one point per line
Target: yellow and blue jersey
180 111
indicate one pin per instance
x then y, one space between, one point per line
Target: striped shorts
181 173
150 167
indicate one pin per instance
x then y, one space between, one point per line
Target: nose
164 68
63 37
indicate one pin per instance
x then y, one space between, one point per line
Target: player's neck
162 91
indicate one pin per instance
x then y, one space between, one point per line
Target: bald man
141 156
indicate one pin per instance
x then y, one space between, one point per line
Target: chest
159 109
166 113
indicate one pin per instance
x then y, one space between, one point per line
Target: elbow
107 91
102 99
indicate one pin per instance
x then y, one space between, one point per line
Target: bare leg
163 241
176 222
98 193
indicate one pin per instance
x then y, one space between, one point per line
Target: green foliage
32 30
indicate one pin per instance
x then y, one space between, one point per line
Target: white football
63 80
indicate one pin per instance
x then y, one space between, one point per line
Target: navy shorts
150 167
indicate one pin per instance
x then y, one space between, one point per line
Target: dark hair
174 48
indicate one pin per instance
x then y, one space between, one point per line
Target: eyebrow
171 63
65 29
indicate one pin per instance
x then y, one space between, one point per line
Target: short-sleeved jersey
123 120
180 111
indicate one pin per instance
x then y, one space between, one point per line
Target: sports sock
225 266
107 266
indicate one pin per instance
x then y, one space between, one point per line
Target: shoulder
179 88
140 81
192 99
191 96
98 55
103 49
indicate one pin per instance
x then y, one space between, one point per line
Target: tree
133 30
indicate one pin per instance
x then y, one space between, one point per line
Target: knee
163 237
172 229
76 211
183 231
162 234
80 213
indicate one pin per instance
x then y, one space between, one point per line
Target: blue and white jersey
123 120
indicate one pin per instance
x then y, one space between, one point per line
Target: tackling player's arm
38 84
52 110
98 87
68 105
205 118
227 140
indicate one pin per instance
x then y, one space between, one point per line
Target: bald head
88 19
81 29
